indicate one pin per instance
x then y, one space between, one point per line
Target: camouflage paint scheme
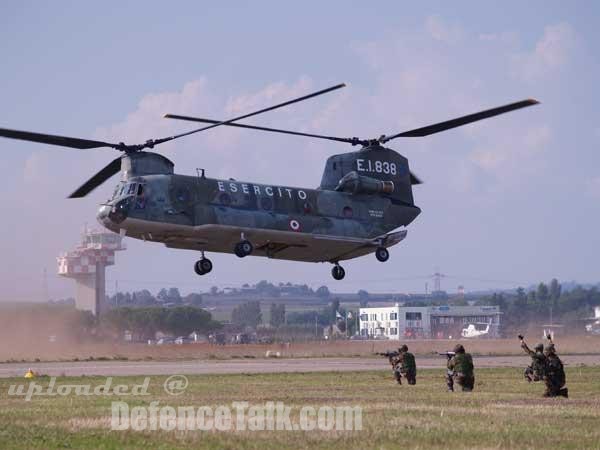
318 225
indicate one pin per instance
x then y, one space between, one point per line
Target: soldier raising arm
537 369
555 373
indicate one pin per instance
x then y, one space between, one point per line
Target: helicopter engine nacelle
145 163
360 184
379 170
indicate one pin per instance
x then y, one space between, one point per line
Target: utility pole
347 324
45 285
437 280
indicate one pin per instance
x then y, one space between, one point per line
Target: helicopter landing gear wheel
338 272
382 254
243 248
203 266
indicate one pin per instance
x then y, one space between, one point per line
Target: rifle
388 354
449 372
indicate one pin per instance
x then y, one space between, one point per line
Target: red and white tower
87 266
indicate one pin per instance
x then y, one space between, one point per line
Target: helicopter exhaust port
360 184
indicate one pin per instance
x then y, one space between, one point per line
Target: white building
426 322
380 322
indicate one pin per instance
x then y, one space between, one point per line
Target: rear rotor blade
108 171
414 179
453 123
254 127
62 141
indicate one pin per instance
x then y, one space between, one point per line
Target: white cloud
593 187
518 152
35 167
271 94
441 30
147 120
551 52
505 37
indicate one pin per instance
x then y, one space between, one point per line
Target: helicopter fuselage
206 214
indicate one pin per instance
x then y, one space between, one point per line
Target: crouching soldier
555 377
460 370
535 371
405 366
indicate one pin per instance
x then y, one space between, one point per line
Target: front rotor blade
453 123
62 141
112 168
254 127
270 108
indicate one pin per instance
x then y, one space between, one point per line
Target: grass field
503 412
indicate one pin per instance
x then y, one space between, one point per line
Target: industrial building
426 322
86 264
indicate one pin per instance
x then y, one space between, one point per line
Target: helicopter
364 197
475 330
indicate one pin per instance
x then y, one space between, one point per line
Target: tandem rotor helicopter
363 197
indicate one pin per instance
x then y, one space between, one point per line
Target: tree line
546 304
165 296
143 323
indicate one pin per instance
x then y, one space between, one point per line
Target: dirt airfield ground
20 348
77 359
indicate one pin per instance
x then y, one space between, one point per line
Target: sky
509 201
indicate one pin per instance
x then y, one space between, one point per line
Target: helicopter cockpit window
131 189
140 190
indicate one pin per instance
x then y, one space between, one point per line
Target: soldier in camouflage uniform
404 365
555 377
460 370
536 371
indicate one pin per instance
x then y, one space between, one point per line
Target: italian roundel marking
294 225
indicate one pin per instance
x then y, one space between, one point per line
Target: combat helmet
403 348
539 347
459 348
549 349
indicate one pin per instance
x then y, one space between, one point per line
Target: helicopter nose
111 216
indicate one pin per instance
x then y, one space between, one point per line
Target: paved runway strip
232 366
